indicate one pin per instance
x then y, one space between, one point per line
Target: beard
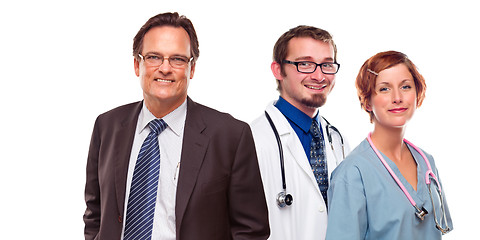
315 101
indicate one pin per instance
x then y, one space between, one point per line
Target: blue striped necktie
143 191
317 159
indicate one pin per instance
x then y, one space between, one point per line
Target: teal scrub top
365 202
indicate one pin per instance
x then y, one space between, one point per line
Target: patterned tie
143 192
317 159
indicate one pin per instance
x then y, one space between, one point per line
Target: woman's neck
389 141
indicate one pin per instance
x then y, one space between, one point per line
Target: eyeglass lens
157 60
310 67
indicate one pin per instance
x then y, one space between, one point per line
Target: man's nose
318 74
165 67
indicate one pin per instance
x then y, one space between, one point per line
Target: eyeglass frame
316 65
188 60
439 191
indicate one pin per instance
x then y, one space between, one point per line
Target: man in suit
209 185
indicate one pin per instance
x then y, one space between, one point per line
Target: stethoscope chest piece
421 213
284 199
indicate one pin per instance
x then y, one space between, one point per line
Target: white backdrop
65 62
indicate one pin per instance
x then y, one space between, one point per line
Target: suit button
120 219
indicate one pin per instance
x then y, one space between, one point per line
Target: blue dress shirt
299 121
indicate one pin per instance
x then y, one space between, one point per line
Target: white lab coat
306 218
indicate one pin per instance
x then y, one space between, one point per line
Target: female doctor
388 188
305 67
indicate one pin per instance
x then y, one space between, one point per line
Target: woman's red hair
366 78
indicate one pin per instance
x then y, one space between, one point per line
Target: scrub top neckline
421 195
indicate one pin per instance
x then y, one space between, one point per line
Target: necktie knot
315 129
157 126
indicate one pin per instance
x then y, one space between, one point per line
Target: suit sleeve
92 188
248 209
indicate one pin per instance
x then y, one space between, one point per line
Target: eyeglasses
154 60
441 225
310 67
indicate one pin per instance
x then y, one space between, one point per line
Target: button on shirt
299 121
170 142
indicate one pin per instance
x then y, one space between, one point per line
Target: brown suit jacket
219 192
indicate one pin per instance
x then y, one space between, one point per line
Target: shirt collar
299 118
175 119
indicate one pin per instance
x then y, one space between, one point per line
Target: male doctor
304 64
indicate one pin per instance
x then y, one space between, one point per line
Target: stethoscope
420 213
283 198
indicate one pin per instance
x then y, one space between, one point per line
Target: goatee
315 101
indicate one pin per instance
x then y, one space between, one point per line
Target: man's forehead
166 38
307 48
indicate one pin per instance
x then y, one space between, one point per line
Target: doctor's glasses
436 197
310 67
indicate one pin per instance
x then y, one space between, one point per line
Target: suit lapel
124 136
193 153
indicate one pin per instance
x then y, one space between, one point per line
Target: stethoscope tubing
420 213
280 150
429 170
330 139
394 176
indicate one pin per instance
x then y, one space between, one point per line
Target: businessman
167 167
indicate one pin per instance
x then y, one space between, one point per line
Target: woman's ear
368 106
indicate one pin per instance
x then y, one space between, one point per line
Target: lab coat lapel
296 150
194 147
291 143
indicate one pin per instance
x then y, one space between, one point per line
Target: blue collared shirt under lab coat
365 202
300 123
